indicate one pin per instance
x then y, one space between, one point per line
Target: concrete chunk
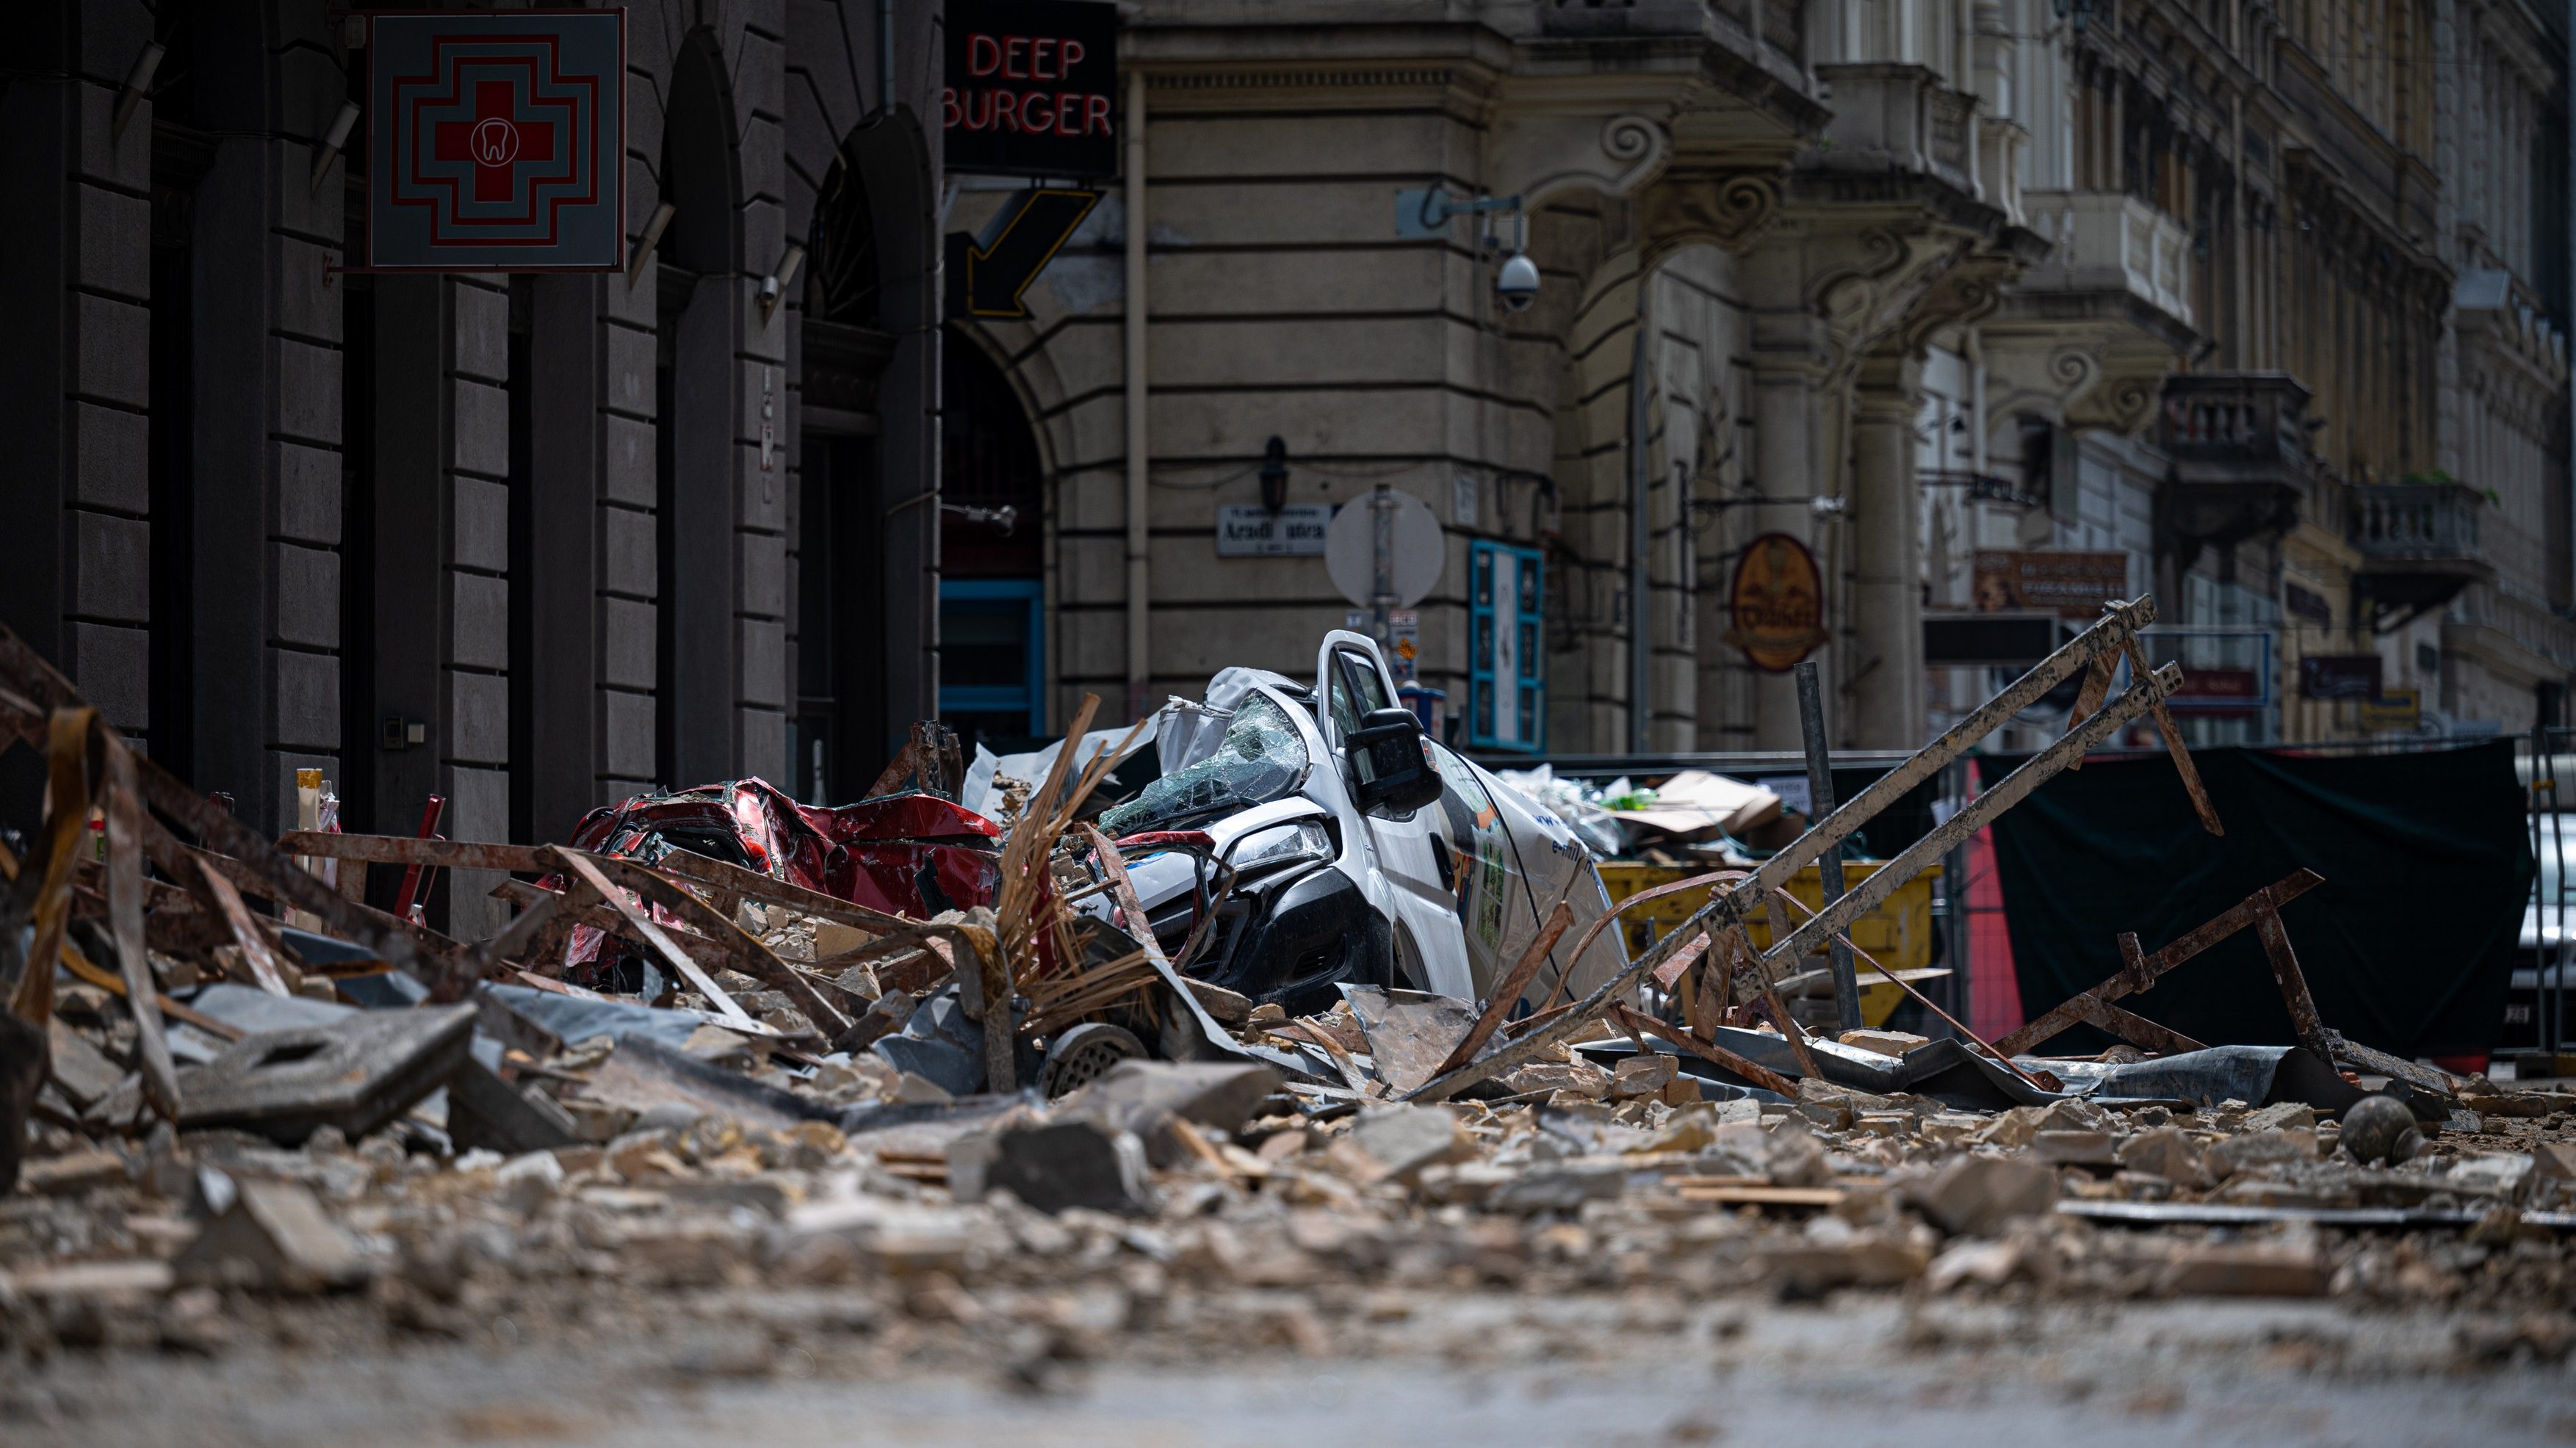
2256 1149
80 1070
1885 1043
63 1176
2246 1269
484 1110
1976 1194
1054 1167
1560 1186
2505 1174
1644 1075
275 1237
2073 1148
2165 1152
1402 1140
1145 1096
356 1072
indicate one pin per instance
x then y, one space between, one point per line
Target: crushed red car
911 854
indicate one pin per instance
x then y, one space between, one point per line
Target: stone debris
1235 1177
767 1107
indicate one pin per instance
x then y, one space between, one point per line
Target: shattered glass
1261 759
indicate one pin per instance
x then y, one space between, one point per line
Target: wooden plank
405 850
29 979
1508 993
1764 1196
753 885
743 952
650 935
245 933
81 966
1751 1070
24 669
125 903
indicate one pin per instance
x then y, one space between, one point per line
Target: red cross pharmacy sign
496 141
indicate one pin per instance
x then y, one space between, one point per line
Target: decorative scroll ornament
1614 159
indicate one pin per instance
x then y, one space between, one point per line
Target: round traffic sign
1415 552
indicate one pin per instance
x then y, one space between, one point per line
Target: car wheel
1084 1054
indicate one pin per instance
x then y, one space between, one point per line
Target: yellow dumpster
1898 934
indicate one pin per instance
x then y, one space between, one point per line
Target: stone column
1789 360
75 281
562 574
1884 706
629 560
267 411
443 566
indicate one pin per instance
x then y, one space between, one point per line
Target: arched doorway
694 464
863 639
992 487
837 739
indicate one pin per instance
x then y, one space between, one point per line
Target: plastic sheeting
1262 758
2408 945
2255 1075
1564 800
1183 737
1033 766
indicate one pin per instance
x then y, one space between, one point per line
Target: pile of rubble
1170 1207
820 1122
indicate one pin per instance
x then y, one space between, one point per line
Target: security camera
1517 282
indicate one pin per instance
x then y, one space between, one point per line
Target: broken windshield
1262 759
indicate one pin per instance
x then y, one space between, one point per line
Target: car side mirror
1392 770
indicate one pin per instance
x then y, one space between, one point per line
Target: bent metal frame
2096 652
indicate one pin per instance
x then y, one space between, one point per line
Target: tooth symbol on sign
495 141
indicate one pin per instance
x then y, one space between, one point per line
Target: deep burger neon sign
1031 87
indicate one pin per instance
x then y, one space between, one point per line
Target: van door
1407 853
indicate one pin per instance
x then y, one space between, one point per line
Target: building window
992 659
1506 699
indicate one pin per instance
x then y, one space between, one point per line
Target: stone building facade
2267 298
528 542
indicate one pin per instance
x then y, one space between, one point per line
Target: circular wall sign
1778 601
1417 551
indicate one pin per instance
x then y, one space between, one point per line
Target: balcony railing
1779 24
2105 239
2234 418
1900 116
2408 521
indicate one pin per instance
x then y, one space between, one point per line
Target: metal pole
1140 433
1641 639
2549 993
1829 865
2540 922
1382 507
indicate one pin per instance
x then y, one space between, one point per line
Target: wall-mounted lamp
774 286
1274 475
651 238
332 140
138 82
